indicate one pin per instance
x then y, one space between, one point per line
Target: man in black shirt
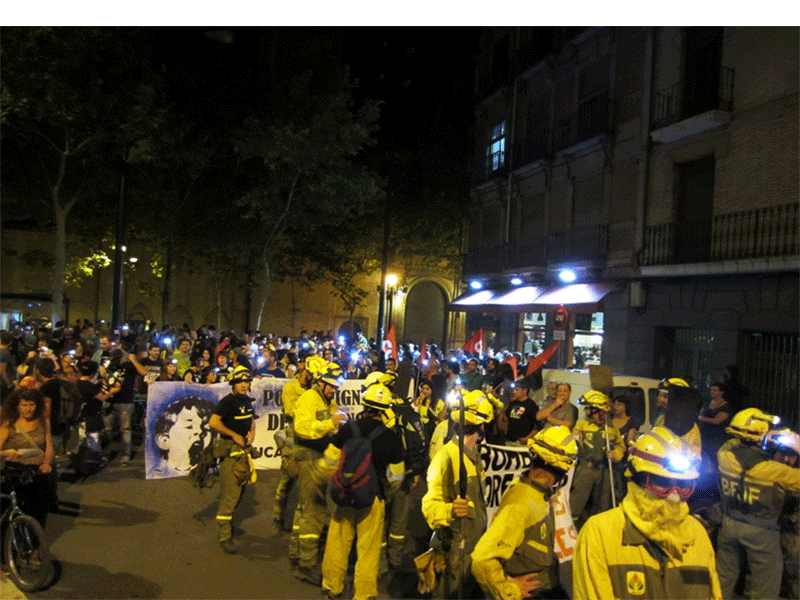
121 372
233 420
521 413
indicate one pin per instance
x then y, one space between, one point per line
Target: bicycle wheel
26 552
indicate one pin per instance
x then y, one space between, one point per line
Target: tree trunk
167 291
265 293
61 258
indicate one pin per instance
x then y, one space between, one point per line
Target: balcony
487 260
675 115
524 254
590 120
579 244
534 147
481 172
769 232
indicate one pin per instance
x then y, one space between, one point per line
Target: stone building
659 165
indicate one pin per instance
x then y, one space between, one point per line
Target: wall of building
290 308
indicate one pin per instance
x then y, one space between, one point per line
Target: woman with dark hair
431 409
712 420
627 426
169 372
25 440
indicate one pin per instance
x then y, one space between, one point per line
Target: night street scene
369 311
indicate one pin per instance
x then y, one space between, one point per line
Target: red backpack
355 482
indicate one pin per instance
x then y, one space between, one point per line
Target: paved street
126 537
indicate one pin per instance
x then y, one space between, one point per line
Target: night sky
423 75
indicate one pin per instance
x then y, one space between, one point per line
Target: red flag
390 343
475 343
512 360
538 361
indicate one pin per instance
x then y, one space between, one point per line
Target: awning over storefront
577 297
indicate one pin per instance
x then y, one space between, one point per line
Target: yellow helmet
661 452
668 381
316 365
477 408
379 378
377 396
595 399
332 375
781 440
751 424
239 375
556 446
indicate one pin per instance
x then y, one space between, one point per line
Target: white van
642 391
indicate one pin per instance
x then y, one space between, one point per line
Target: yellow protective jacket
754 487
519 541
443 488
312 420
613 559
592 439
289 396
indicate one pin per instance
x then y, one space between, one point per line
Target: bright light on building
516 281
567 275
391 280
475 284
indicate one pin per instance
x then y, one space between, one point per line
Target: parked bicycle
24 548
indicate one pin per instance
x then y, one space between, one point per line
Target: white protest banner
501 464
176 428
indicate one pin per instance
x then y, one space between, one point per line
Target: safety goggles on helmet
661 452
664 486
332 375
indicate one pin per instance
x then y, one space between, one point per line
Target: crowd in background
69 386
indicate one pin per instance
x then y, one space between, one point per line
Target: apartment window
496 150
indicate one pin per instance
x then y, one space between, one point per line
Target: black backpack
355 483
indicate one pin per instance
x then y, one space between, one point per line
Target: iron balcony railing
591 119
669 107
527 252
757 233
585 243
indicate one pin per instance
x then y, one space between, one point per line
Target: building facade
660 166
416 304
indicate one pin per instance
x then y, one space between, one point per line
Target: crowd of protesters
67 390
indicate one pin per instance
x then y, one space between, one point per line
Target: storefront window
588 339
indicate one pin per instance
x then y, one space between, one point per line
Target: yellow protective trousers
347 523
312 513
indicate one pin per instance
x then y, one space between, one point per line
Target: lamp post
391 282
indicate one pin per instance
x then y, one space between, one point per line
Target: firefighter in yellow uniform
315 420
458 519
753 488
289 396
591 486
365 524
691 437
514 559
649 547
